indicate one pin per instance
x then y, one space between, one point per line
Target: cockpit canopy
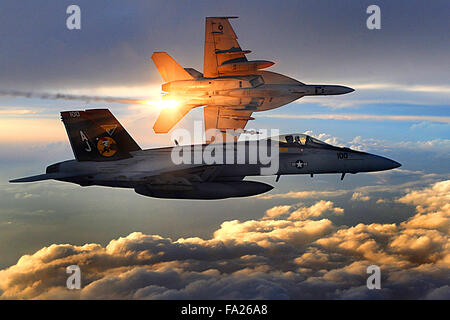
300 139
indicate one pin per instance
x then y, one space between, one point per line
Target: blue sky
400 110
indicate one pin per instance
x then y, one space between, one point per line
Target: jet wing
179 176
220 119
220 46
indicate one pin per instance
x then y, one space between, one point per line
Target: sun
163 104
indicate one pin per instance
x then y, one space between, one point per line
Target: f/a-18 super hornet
231 87
106 155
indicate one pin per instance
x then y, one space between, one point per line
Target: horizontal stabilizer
169 117
45 176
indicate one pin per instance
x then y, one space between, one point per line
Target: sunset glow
163 104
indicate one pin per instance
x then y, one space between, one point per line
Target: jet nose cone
338 90
395 164
347 90
387 164
374 163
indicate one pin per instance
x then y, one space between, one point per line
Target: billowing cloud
298 212
432 205
292 252
276 211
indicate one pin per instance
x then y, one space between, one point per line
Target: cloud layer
293 252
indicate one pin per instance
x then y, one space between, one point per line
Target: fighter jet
231 87
106 155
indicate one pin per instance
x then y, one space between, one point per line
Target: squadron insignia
109 128
106 146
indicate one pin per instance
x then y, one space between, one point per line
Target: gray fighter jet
106 155
231 87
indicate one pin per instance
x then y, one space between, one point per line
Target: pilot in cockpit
289 139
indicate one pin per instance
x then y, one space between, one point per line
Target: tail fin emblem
106 146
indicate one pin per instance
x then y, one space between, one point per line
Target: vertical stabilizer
96 135
169 69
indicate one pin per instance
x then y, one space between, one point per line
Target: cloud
358 196
16 111
369 98
432 206
387 186
298 212
438 146
317 210
435 145
25 195
304 194
444 89
269 258
353 117
276 211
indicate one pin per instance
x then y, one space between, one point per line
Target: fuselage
232 162
255 91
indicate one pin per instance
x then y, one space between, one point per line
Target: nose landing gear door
257 81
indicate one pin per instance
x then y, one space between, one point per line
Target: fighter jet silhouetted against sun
231 87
